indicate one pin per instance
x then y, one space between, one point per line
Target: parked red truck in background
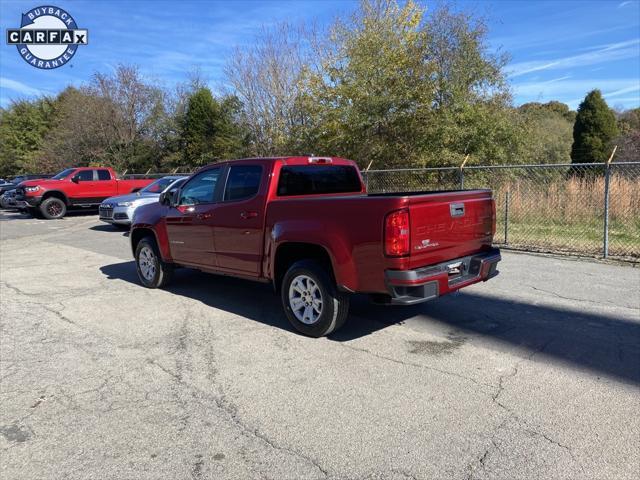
307 225
73 188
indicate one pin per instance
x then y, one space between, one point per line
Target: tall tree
398 88
629 140
266 78
78 138
547 132
23 128
116 120
594 130
137 107
210 131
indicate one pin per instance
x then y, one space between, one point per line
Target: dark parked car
13 183
8 199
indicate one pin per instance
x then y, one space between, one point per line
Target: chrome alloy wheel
147 263
54 209
305 299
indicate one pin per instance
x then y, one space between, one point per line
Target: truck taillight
396 234
321 160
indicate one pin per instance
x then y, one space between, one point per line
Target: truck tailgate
449 225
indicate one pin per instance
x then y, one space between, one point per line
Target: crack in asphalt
572 299
221 402
231 412
417 365
512 415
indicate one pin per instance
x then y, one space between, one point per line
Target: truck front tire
53 208
152 271
311 300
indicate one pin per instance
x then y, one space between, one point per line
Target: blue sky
559 49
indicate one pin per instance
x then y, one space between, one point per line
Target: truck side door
239 221
82 190
189 222
105 185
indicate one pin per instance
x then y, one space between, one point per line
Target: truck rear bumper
407 287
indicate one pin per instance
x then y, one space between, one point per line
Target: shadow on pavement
107 227
603 344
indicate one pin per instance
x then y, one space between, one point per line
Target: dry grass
573 200
567 214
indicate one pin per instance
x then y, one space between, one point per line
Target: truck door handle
247 215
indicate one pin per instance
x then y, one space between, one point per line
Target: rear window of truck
318 179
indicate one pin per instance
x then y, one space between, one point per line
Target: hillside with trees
389 86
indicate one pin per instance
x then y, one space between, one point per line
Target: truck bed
352 228
422 192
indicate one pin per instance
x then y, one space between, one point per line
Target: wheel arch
56 194
288 253
137 234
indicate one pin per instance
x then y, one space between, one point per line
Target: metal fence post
464 162
605 246
506 218
607 179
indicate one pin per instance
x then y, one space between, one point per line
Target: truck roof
293 160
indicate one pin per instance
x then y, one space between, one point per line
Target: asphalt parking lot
534 374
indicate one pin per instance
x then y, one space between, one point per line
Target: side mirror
75 178
169 198
174 197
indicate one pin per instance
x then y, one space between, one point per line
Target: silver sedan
119 210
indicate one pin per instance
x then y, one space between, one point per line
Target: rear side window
104 175
85 175
243 182
314 179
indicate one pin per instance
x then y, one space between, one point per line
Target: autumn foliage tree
400 88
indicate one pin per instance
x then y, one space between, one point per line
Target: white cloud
19 87
555 80
624 4
567 87
622 91
572 92
606 53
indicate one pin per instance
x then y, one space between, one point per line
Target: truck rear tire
152 271
311 300
53 208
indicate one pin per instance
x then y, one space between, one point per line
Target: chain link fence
581 209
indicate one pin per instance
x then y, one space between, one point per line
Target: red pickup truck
307 225
73 188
